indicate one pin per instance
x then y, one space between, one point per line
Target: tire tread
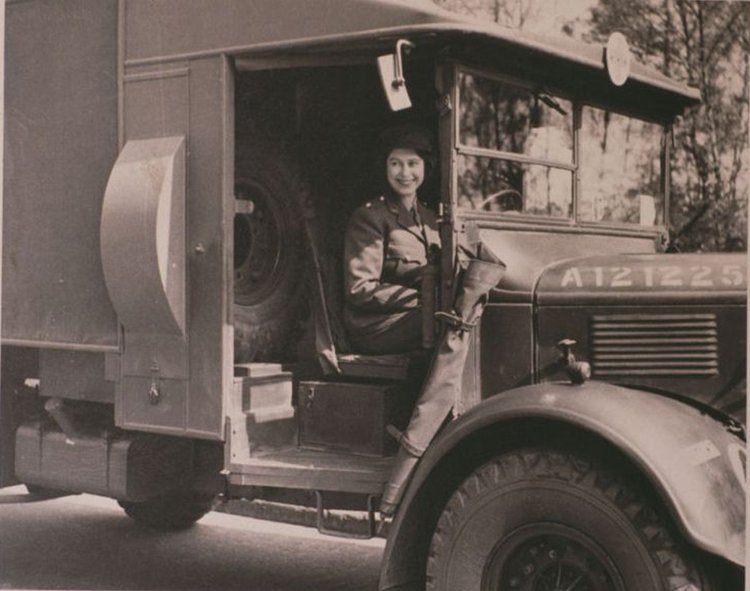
582 473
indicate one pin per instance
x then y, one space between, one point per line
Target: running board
314 470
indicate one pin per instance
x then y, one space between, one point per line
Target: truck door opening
305 159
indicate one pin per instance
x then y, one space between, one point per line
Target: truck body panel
60 144
264 28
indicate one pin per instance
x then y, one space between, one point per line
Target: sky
541 16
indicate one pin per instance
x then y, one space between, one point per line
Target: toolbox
352 417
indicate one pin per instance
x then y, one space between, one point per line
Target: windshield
620 169
517 150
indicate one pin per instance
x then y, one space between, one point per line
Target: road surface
86 542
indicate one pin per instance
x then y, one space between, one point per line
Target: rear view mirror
392 78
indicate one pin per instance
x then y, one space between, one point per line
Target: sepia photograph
374 295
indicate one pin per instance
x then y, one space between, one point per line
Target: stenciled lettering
621 277
649 276
572 276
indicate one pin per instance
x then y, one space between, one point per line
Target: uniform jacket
384 251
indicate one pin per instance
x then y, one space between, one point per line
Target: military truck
177 180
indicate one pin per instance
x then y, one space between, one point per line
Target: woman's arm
363 266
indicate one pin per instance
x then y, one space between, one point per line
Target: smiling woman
389 243
405 172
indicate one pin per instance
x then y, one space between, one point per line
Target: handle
429 305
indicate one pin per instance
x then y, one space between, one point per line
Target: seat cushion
389 367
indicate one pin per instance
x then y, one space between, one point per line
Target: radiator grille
655 345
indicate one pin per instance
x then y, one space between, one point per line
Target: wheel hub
550 557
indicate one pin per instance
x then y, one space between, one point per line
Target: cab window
521 149
515 148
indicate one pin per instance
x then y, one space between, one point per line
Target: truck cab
173 324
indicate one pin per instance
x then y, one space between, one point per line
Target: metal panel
306 469
241 23
156 105
191 372
143 236
654 344
61 140
507 357
7 412
570 322
152 404
645 278
528 251
210 215
76 375
237 25
151 388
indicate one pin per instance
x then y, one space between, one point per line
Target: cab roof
181 29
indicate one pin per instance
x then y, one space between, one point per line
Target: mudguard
693 461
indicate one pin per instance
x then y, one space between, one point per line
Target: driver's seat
335 354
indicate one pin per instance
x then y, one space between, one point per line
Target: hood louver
655 345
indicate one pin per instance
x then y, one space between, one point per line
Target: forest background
703 43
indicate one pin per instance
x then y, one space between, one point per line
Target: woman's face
405 171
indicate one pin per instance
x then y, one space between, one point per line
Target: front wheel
540 520
177 510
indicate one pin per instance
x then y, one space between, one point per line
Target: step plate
314 470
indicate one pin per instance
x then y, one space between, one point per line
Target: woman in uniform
389 242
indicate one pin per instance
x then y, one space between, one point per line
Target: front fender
689 457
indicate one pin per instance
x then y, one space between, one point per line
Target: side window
515 148
621 169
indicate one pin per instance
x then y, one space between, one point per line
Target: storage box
352 417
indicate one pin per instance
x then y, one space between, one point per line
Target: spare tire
270 260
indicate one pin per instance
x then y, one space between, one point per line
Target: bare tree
706 45
510 13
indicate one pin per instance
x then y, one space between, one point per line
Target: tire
536 520
169 512
270 254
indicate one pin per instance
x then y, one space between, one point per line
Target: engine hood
669 322
644 279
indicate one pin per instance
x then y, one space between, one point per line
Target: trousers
400 337
439 391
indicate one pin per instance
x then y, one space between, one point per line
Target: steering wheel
509 199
